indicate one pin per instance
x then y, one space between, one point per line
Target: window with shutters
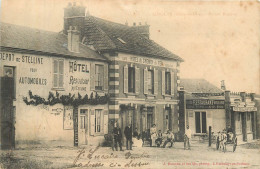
167 83
99 77
98 121
58 73
131 79
150 80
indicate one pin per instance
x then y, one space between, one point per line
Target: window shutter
105 122
106 77
92 122
137 80
125 79
163 82
155 83
61 69
145 81
172 83
55 73
92 76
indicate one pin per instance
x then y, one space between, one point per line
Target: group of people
157 138
129 135
224 137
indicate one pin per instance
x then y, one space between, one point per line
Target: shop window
58 73
131 79
167 83
150 80
200 121
99 77
98 121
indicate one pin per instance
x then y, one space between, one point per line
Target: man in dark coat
117 137
128 136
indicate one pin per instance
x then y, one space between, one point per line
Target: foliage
66 99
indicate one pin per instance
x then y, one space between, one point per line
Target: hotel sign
205 104
244 109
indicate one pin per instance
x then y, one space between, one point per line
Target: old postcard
129 84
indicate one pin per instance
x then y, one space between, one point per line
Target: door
7 109
83 126
201 122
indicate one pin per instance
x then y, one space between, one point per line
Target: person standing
187 138
128 136
117 137
153 135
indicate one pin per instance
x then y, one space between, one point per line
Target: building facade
143 76
37 65
69 88
202 105
241 114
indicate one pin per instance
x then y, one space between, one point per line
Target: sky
218 40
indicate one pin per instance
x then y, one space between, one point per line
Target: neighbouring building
257 104
42 62
241 114
201 105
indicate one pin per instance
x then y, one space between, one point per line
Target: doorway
7 109
83 126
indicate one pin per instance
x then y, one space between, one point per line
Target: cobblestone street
200 156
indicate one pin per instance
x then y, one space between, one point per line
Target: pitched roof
199 86
105 35
25 38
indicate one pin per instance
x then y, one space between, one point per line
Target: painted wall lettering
24 58
74 80
76 67
32 59
7 56
32 80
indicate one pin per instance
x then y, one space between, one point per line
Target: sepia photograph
129 84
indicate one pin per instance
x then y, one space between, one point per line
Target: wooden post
75 125
209 136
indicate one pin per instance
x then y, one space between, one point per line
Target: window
82 122
98 121
167 83
200 121
131 79
150 80
99 77
58 67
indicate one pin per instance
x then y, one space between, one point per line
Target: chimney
74 15
223 86
73 39
243 96
142 29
